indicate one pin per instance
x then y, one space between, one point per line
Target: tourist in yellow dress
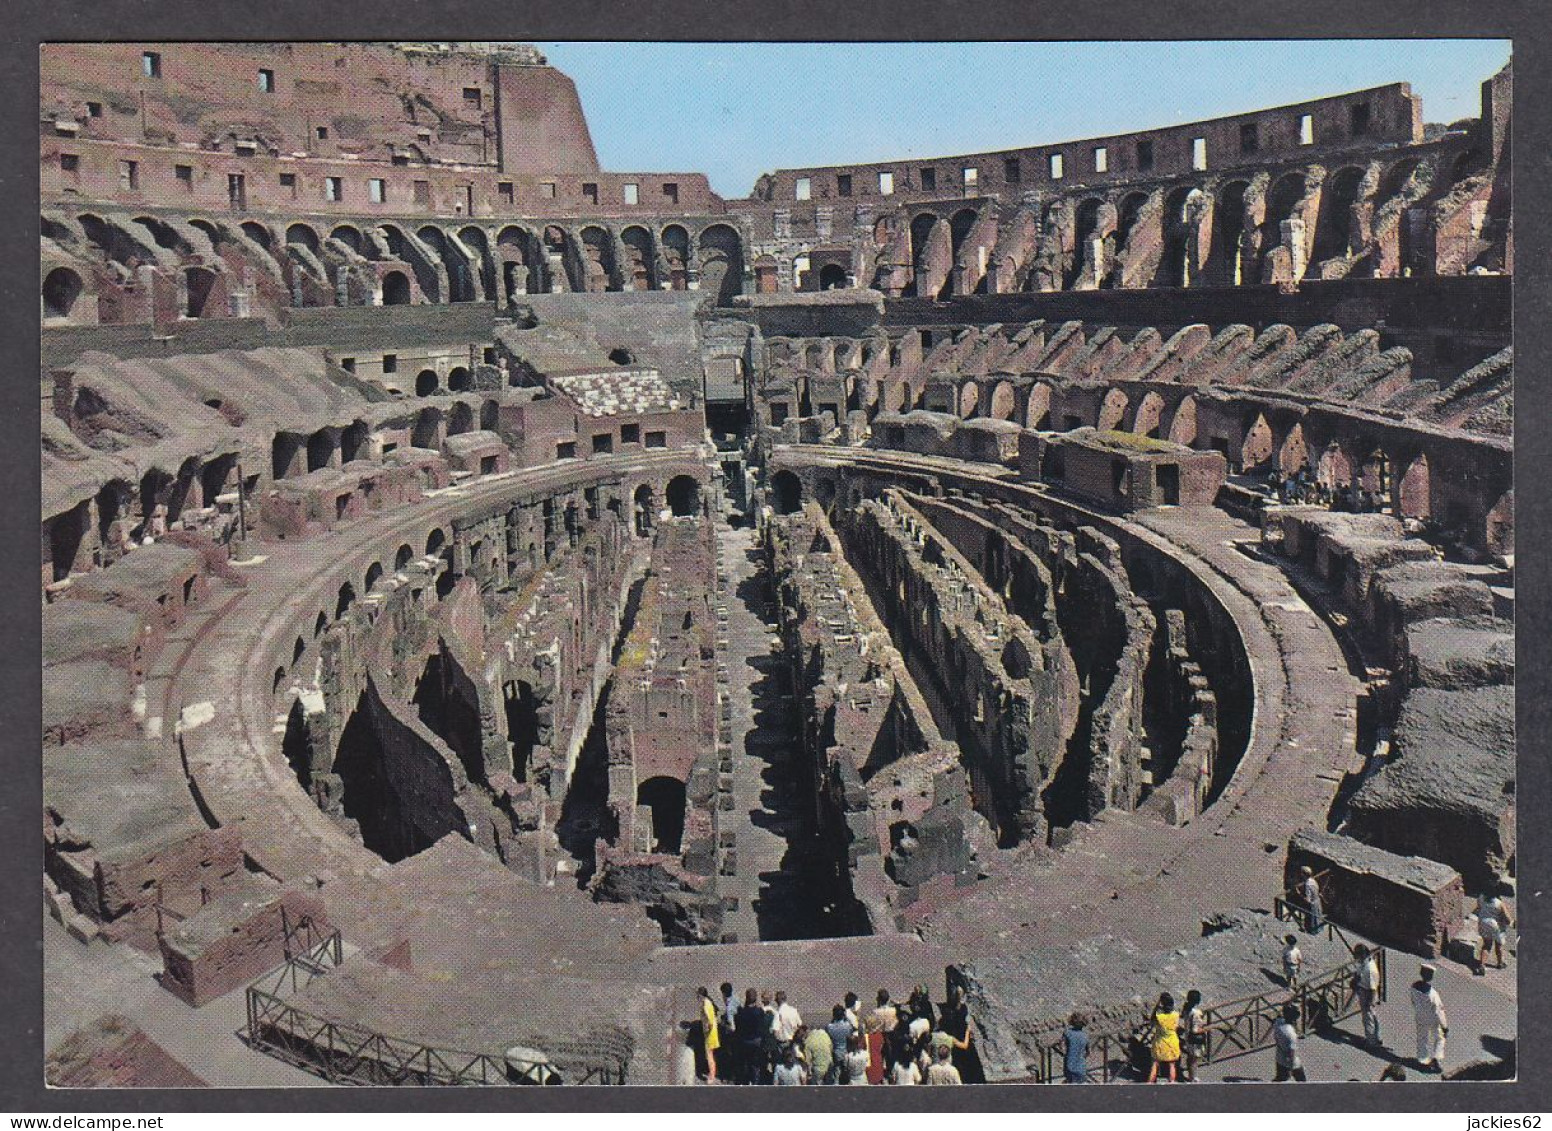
1165 1038
712 1041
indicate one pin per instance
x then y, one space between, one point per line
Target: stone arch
1004 401
321 446
1255 450
1149 416
427 383
1182 422
374 573
722 262
459 379
523 265
1292 453
1281 199
403 556
922 226
786 492
1334 469
428 422
320 623
969 401
61 288
959 225
1037 409
1414 497
345 599
683 494
396 289
490 415
1395 178
460 419
1112 410
832 277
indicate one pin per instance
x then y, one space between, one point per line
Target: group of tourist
764 1040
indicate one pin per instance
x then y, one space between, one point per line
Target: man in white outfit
1432 1024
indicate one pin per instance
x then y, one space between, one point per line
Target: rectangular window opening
843 184
506 192
390 363
632 193
267 81
472 97
1198 153
886 184
1358 114
333 188
971 176
1249 138
1011 172
185 175
804 189
1306 129
929 180
1058 167
1101 159
1144 155
547 190
671 191
151 64
590 192
377 190
423 193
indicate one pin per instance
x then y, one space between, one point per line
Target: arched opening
1174 263
298 650
460 281
427 430
1335 470
643 510
396 289
353 441
198 284
722 263
346 598
460 419
663 797
297 743
597 260
684 497
259 234
1085 225
484 265
1334 228
522 714
320 449
348 236
490 416
459 379
637 242
832 277
1228 234
1281 199
921 233
403 557
959 226
622 356
374 574
434 541
303 236
320 624
426 383
676 253
447 703
1127 216
786 492
61 287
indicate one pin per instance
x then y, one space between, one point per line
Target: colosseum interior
486 598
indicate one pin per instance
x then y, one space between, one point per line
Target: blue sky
736 110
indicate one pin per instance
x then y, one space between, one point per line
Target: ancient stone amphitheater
486 598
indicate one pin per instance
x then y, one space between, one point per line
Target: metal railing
1233 1028
343 1053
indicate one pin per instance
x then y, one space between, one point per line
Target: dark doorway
664 796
